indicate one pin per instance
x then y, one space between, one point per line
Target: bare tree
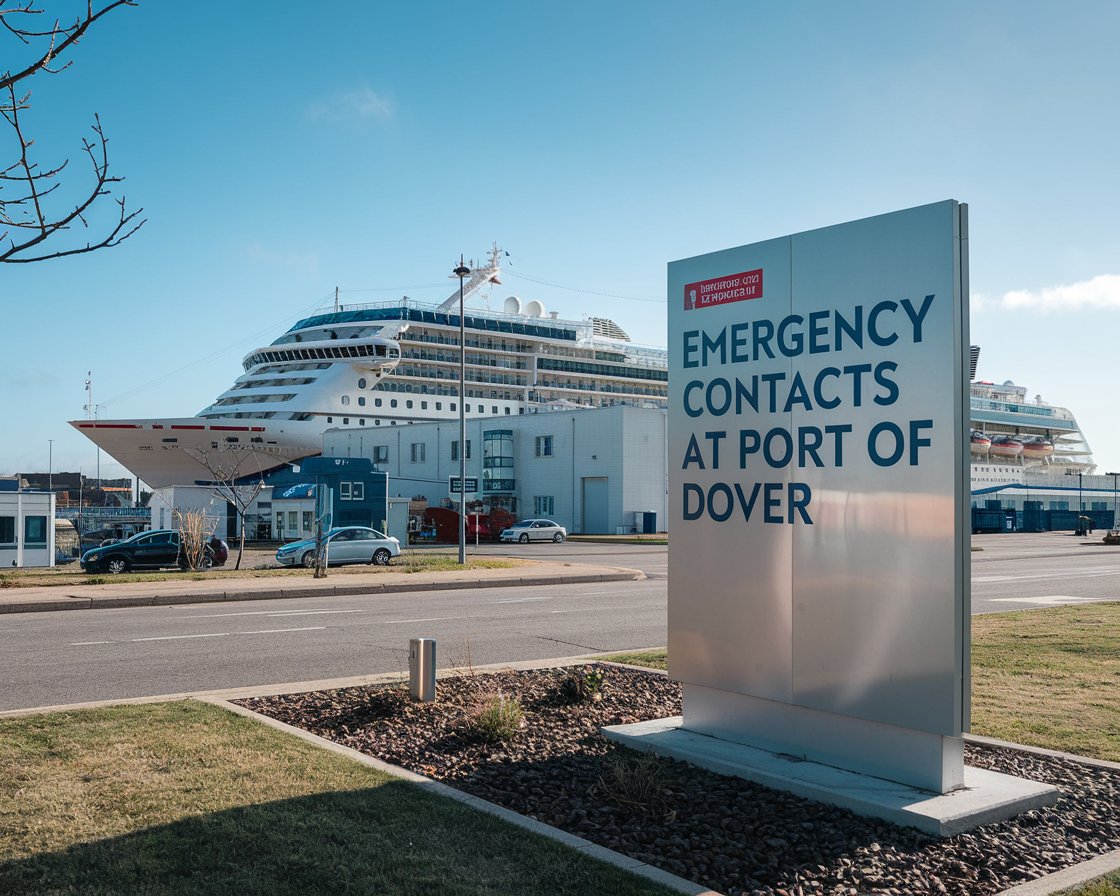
32 221
234 482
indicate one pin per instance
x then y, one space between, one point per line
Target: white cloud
1100 293
363 103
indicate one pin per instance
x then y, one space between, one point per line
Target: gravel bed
728 834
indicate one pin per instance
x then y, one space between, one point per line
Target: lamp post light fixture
461 272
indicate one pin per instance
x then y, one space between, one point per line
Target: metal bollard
422 669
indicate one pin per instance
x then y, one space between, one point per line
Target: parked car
535 530
157 549
345 544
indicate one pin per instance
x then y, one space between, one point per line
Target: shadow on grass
393 839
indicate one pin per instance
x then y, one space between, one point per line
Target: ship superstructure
388 364
1013 435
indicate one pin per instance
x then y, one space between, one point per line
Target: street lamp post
1080 503
1115 521
461 272
50 465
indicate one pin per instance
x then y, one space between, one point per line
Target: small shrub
633 780
582 684
496 717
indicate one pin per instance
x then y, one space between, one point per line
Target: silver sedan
347 544
535 530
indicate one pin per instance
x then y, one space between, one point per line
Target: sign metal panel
818 471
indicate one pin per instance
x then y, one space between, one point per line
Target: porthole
362 382
346 399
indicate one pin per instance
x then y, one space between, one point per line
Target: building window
544 446
543 505
34 531
439 405
7 530
293 520
418 452
344 491
329 420
359 491
307 521
408 403
377 402
423 405
279 523
392 402
362 401
381 454
455 449
346 399
362 422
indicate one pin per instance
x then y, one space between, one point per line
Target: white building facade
594 471
26 526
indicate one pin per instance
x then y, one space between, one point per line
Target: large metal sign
818 600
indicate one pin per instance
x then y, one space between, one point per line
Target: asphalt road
84 655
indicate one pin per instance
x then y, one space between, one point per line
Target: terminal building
594 471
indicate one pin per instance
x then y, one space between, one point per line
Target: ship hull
193 450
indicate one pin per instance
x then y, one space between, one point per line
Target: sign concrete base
985 798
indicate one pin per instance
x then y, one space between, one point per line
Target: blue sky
280 149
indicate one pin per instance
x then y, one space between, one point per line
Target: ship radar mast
479 278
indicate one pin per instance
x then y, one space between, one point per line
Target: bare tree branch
232 484
26 222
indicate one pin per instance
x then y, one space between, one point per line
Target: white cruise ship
388 364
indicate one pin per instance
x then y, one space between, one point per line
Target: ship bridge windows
339 352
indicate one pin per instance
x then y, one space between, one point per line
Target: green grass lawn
186 798
408 561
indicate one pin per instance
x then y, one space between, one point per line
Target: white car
346 544
535 530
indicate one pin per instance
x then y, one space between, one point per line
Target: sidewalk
197 591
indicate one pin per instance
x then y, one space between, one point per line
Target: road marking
272 631
89 643
1091 572
519 600
1049 599
262 613
182 637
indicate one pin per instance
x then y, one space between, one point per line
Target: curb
1074 876
76 602
586 847
1047 885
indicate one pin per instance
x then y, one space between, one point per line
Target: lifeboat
1037 447
1006 446
979 443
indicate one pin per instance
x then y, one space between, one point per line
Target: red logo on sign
722 290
